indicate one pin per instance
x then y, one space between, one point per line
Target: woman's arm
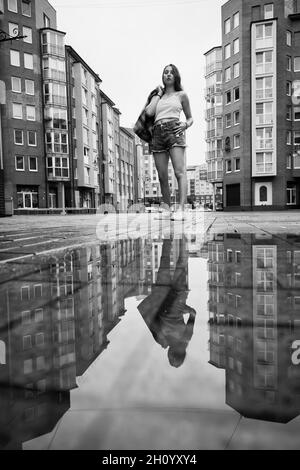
187 109
151 108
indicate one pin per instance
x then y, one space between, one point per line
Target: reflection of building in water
37 328
253 308
54 320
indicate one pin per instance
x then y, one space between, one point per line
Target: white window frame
227 51
28 3
234 141
289 63
23 158
19 105
297 69
234 90
30 107
234 166
18 130
228 163
264 162
226 24
28 33
228 117
288 137
236 24
35 139
28 66
27 82
227 74
268 15
15 55
288 38
296 109
11 7
235 122
236 46
236 70
19 80
291 193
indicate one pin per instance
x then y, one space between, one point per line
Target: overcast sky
128 43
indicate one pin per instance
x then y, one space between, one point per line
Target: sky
129 42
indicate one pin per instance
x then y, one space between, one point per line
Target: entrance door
233 195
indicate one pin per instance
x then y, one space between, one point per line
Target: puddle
202 332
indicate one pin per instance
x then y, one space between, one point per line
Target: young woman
169 135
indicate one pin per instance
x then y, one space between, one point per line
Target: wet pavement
174 337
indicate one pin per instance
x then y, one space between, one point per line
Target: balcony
213 133
215 176
213 90
53 49
214 67
213 154
213 112
52 74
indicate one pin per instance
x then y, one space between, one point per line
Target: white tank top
168 107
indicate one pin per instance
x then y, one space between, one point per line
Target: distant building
199 189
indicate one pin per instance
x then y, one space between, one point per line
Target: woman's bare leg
161 162
178 161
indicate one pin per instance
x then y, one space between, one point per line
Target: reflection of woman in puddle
163 310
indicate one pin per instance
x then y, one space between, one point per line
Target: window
236 94
27 197
26 7
227 51
296 113
28 366
289 63
28 33
46 21
291 194
236 118
31 138
264 163
264 113
18 137
28 61
12 5
237 164
264 31
236 46
27 342
16 84
32 164
236 70
264 62
17 111
288 88
289 113
289 161
15 58
296 160
264 88
236 141
19 162
288 38
228 97
39 339
297 64
236 20
264 137
227 74
228 166
30 113
269 11
29 87
289 137
297 138
58 167
227 26
228 120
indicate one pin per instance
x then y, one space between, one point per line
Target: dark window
256 15
263 194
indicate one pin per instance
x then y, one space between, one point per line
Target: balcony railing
213 154
264 94
52 74
264 119
56 99
212 90
214 67
262 144
53 49
213 112
213 133
262 69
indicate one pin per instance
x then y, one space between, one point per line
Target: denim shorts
164 137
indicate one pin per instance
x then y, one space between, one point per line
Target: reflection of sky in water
97 375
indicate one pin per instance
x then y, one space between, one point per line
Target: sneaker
178 216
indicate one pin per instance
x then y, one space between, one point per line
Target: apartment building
260 93
83 102
127 162
199 189
23 165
